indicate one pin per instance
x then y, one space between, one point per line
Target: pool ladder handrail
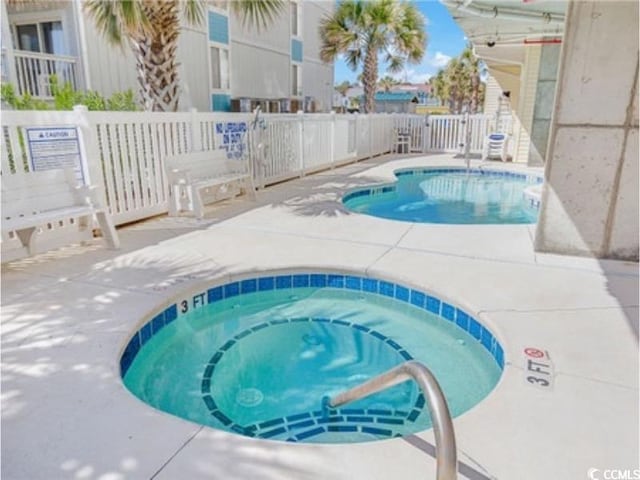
446 455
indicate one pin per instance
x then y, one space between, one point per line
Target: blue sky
445 40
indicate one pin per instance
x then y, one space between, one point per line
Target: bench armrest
89 194
178 176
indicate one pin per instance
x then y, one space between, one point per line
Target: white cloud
412 76
439 60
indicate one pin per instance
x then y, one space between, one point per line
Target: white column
590 198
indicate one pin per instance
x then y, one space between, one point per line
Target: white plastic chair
495 145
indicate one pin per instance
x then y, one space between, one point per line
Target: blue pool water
452 196
258 358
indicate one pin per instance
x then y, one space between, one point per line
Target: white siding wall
111 69
526 103
260 59
194 68
317 77
259 72
492 94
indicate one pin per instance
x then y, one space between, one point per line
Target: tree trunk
369 79
475 92
155 56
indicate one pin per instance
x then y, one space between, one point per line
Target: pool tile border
401 293
404 172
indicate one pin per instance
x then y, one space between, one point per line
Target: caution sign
55 147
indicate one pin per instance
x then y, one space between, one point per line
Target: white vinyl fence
124 152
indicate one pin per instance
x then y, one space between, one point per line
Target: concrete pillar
590 199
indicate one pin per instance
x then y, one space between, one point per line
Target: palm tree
387 83
439 87
472 65
152 28
343 88
364 29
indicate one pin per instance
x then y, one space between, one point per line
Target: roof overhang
501 30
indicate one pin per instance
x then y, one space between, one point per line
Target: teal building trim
218 28
296 50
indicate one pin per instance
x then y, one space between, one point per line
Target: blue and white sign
231 136
55 147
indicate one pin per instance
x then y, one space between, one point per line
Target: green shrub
65 97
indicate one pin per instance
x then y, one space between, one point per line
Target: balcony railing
33 72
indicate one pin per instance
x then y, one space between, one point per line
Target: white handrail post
446 452
90 152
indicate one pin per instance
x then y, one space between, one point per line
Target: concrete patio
67 314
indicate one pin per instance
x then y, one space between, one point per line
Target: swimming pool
450 195
257 356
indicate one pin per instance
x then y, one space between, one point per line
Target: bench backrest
29 193
206 164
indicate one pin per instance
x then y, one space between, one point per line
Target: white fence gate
450 133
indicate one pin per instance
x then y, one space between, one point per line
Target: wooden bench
35 200
195 176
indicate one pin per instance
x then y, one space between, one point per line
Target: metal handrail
446 456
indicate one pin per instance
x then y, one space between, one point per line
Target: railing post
332 139
90 152
446 451
196 140
301 141
370 115
426 134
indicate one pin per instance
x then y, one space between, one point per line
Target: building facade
224 65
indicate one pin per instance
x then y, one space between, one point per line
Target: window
295 17
219 68
45 37
296 80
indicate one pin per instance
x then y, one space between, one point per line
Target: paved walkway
66 316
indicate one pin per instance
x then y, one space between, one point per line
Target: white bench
195 176
35 200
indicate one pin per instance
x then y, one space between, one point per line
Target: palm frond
258 13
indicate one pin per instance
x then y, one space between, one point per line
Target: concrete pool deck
67 314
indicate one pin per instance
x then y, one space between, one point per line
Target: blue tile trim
266 283
283 281
300 281
433 305
369 191
248 286
215 294
462 320
416 298
448 311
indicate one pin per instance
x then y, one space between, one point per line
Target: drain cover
249 397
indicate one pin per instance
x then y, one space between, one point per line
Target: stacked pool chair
495 145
